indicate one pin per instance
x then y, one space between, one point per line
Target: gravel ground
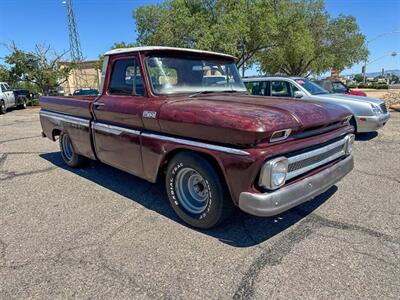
101 233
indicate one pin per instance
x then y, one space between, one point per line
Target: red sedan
336 86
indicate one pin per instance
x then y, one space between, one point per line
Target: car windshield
311 87
174 75
339 87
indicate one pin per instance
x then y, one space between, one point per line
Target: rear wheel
2 107
22 105
196 191
70 157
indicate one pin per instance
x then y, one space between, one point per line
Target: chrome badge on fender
149 114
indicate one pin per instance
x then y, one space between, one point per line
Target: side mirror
298 94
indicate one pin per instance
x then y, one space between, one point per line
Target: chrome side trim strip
64 118
313 153
195 144
112 129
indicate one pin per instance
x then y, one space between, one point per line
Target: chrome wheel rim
3 107
192 191
67 147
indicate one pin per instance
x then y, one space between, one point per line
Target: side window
126 78
256 87
293 88
280 89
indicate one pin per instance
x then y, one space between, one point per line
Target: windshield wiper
210 92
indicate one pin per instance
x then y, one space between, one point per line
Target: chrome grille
383 108
307 161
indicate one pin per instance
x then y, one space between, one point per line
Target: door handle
97 104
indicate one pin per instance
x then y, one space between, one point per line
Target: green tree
294 37
358 78
5 75
115 46
40 67
239 27
310 41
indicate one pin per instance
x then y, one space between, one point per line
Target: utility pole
241 48
364 68
74 46
74 42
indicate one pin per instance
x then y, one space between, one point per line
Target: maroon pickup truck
185 116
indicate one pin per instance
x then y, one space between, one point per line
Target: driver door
118 117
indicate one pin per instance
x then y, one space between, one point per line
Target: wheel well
353 122
56 132
209 158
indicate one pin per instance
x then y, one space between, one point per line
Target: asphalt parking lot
101 233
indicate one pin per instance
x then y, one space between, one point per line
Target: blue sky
103 22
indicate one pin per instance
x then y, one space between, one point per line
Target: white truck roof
155 48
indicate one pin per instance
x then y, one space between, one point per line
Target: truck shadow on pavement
366 136
240 230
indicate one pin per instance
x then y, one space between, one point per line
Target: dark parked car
338 87
86 92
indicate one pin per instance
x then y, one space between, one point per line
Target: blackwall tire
23 105
68 154
3 109
196 191
354 124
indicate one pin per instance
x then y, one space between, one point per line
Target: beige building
86 76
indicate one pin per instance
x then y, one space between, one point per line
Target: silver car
369 114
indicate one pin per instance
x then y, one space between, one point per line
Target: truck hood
350 98
242 119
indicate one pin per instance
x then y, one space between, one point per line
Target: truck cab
159 115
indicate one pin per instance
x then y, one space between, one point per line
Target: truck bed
76 106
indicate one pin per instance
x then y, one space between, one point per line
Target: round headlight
279 172
349 143
273 173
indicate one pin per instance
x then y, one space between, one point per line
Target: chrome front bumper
371 123
270 204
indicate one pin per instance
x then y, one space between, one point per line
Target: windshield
173 75
311 87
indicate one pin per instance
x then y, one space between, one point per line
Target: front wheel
68 154
354 124
196 191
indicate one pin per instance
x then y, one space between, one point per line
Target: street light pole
393 54
371 40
